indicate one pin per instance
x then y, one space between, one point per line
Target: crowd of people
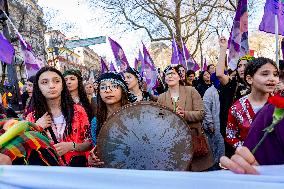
230 108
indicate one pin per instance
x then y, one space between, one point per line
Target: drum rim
147 103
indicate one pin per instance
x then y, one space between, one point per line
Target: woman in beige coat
186 102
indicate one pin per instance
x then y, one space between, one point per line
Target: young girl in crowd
112 95
262 76
74 82
203 82
187 103
270 151
65 123
134 82
90 91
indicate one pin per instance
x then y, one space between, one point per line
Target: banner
238 42
7 50
104 67
175 53
112 68
272 8
149 70
119 55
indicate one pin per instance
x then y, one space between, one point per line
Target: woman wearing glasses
112 95
187 103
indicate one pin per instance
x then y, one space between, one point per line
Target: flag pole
277 39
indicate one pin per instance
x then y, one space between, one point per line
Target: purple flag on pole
204 65
238 42
149 70
182 60
196 66
119 55
190 61
140 63
135 63
32 63
112 68
175 54
7 50
272 8
104 68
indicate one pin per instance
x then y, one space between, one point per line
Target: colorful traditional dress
80 133
30 148
239 120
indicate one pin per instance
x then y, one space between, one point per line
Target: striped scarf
22 146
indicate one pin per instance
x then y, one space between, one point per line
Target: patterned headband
116 81
246 57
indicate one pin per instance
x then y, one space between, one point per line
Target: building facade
27 17
59 56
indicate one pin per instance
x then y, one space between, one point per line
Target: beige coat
191 102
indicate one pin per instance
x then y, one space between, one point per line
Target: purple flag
140 63
196 66
32 63
112 68
135 63
181 59
272 8
204 65
7 50
175 53
104 68
238 42
149 70
189 59
119 55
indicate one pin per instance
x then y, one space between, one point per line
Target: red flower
277 101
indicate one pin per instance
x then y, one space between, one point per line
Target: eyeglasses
170 74
112 87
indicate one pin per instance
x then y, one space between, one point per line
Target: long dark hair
82 94
200 78
39 104
253 65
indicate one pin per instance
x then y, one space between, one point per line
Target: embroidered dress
240 118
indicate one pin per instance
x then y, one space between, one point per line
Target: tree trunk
178 35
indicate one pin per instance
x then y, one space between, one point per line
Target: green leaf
278 114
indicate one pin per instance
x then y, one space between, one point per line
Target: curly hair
82 93
39 105
253 65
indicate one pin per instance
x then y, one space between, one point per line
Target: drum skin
145 136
